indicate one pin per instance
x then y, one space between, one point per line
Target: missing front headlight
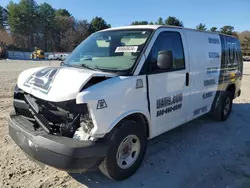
86 122
82 121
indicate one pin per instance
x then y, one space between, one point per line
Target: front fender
126 114
122 98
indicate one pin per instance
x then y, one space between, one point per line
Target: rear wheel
224 107
127 151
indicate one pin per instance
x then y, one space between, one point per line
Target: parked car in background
51 57
61 57
64 56
246 58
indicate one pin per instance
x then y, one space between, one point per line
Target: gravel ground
202 153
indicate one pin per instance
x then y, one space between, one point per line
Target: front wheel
127 151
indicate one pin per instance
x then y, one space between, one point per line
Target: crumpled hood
56 83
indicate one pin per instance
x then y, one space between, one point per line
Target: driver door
168 88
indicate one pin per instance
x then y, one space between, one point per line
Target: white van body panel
122 98
24 75
168 84
202 69
61 83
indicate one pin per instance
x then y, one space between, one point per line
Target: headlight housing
86 121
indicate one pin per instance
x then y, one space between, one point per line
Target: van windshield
116 50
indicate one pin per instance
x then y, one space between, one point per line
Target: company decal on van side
43 79
101 104
207 95
200 110
209 82
170 104
213 40
213 55
139 83
212 70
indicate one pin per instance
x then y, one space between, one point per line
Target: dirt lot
202 153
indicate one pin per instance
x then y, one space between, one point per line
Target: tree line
244 37
171 20
31 25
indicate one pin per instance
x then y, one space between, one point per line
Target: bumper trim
60 152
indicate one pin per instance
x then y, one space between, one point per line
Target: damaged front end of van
71 117
49 125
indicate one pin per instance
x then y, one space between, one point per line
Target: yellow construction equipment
37 54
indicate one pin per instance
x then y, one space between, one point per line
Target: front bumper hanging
57 151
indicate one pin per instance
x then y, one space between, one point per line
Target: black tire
219 113
109 165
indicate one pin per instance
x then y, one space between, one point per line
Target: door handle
187 79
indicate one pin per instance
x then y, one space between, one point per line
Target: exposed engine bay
56 118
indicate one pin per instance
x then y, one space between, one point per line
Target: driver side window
166 41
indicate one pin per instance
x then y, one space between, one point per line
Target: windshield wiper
88 67
65 64
108 68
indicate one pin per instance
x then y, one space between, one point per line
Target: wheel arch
231 87
139 117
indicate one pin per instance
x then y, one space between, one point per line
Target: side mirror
165 60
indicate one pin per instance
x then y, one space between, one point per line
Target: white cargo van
61 57
119 88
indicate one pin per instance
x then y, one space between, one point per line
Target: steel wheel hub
128 151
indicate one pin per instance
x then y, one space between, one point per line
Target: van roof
154 27
134 27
